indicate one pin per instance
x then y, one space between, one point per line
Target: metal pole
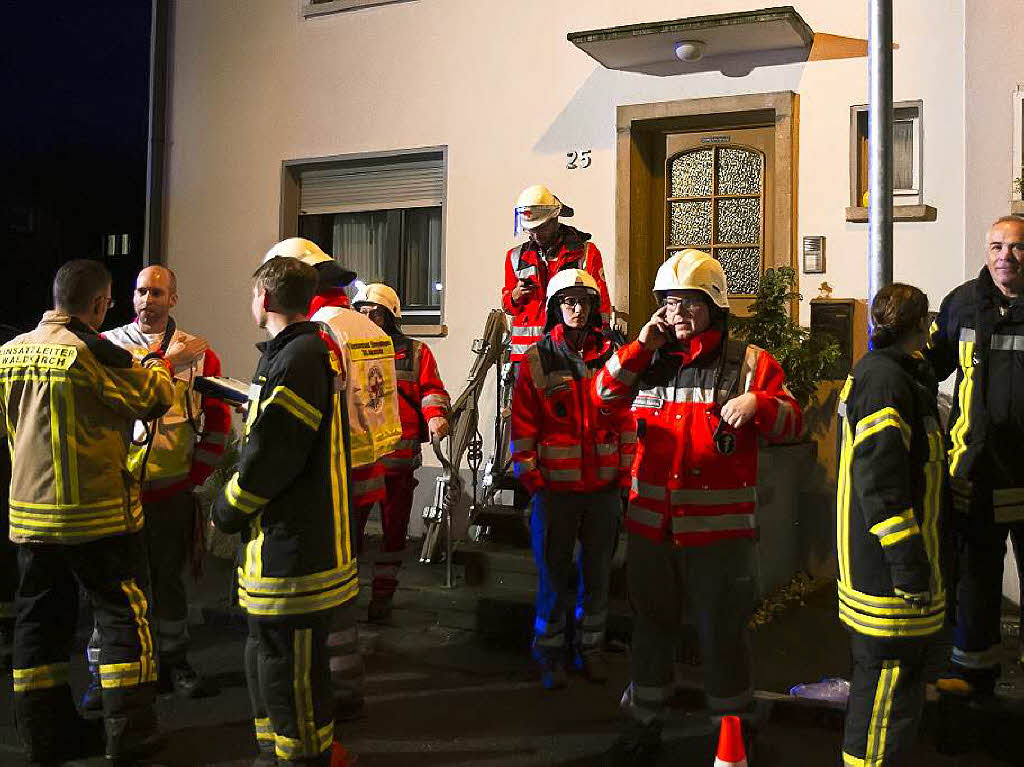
879 145
152 247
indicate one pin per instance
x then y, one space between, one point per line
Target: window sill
899 213
1017 207
436 331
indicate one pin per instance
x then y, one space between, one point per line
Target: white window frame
310 10
1017 158
913 195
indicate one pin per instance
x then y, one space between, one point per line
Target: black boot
178 676
132 731
637 746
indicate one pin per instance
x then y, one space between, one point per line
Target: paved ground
446 696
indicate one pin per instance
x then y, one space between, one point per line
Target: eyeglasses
680 305
110 303
571 302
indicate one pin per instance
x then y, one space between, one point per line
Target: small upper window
312 8
907 154
383 218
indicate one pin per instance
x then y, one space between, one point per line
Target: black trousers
288 669
886 700
114 574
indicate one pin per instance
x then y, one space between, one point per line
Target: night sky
74 132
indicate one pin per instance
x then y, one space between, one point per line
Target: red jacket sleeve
527 413
778 416
434 400
595 267
617 383
216 425
511 280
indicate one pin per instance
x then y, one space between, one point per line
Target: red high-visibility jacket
421 396
561 439
524 262
682 483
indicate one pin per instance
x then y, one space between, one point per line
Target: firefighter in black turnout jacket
290 495
890 504
979 335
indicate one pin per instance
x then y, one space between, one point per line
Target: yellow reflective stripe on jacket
255 604
294 404
299 584
845 481
896 528
242 499
881 419
964 396
40 677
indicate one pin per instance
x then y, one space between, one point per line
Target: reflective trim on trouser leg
549 635
142 671
264 735
977 660
40 677
646 704
591 630
303 697
881 709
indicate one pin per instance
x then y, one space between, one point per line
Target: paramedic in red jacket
423 407
552 246
573 457
701 400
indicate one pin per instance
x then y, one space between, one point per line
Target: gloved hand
915 598
226 517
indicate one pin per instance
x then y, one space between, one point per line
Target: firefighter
701 400
69 401
890 501
574 459
979 335
290 497
188 441
551 247
424 408
371 405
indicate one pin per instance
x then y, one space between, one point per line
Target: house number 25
580 159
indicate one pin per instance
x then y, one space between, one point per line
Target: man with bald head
187 444
979 336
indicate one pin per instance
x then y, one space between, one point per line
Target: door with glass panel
718 198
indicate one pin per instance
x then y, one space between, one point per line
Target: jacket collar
329 297
286 336
570 241
701 345
56 317
594 346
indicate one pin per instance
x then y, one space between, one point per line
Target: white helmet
536 205
380 294
572 278
693 270
307 251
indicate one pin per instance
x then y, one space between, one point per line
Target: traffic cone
730 744
341 756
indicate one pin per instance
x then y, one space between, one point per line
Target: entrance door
716 188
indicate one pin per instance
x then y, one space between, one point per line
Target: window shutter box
358 188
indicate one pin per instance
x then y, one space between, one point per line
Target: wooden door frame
639 127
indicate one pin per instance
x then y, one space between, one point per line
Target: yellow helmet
307 251
536 205
380 294
693 270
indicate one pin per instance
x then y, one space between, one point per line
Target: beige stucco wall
253 84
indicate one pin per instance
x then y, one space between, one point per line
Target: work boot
379 609
593 666
132 736
179 677
638 745
968 683
92 698
552 673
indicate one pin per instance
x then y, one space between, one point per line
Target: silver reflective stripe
614 368
646 490
644 517
522 445
714 497
685 394
520 348
561 475
556 452
967 335
1008 343
981 659
527 271
434 400
528 330
605 448
781 417
717 523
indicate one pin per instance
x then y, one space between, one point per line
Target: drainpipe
879 145
152 248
